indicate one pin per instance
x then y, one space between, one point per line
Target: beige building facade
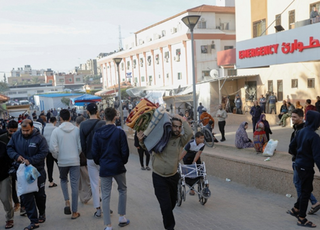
279 43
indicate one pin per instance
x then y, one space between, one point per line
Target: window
204 49
77 79
50 81
22 92
157 59
202 24
278 21
128 65
179 76
166 56
167 75
205 73
280 90
228 47
270 86
135 79
310 82
294 83
178 52
292 18
122 66
70 80
141 62
134 63
149 60
259 28
251 91
142 78
61 80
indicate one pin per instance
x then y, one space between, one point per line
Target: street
231 206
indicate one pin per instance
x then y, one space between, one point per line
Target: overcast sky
61 34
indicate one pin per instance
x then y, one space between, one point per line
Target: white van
24 102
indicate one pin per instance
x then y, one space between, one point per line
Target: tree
65 100
3 87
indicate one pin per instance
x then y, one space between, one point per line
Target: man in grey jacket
65 146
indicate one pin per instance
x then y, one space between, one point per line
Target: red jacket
309 107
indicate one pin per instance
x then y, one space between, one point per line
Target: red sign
273 49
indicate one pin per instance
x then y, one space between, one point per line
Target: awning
109 92
85 99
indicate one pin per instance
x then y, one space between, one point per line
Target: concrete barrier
246 167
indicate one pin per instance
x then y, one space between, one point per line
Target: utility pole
120 39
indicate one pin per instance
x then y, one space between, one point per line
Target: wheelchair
190 176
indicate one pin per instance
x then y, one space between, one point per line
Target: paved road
231 207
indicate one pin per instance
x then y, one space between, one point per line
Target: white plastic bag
270 148
23 187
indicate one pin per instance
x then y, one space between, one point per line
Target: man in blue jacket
29 146
307 145
110 150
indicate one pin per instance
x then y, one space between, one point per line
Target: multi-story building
278 41
24 92
70 81
88 68
27 71
160 54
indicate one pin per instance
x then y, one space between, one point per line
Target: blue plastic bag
31 174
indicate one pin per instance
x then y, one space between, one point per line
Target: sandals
32 226
42 218
75 215
292 212
313 210
306 223
9 224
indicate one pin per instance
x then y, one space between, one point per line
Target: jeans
106 185
74 178
50 162
141 152
306 178
93 171
297 184
222 124
166 189
35 200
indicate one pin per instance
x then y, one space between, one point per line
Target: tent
84 99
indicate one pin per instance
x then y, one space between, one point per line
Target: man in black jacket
29 146
255 112
87 129
5 185
306 144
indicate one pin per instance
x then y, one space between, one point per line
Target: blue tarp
85 99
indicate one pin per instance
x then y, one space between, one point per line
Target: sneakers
23 211
143 168
108 228
125 223
222 140
147 168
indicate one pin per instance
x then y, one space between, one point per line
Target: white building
160 54
286 58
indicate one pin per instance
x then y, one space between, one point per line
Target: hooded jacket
65 145
34 148
307 143
110 150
